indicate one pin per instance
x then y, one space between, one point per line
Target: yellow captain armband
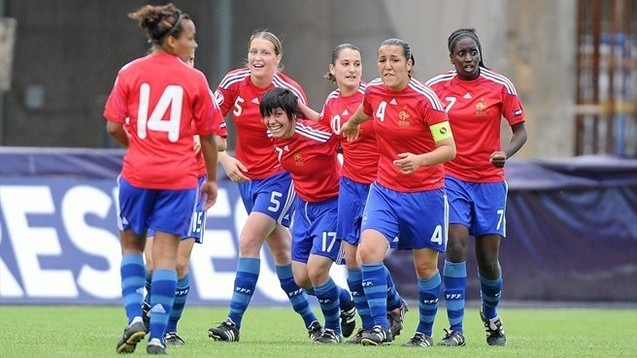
441 131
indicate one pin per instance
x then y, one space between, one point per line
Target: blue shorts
481 207
418 219
198 220
314 231
272 196
167 211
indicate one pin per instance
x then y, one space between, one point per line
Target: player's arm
209 151
518 138
444 152
351 128
308 112
117 132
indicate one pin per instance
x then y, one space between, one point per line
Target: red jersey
253 148
401 121
475 109
360 158
161 95
220 131
311 159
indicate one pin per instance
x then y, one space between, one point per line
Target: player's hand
234 169
349 130
209 191
498 159
407 163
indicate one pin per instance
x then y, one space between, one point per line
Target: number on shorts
436 237
328 240
500 219
274 200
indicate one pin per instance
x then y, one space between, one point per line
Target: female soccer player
407 200
307 150
360 161
476 99
161 140
265 187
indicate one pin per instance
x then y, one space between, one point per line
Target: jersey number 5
171 97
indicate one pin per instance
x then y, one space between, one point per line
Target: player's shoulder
441 78
315 131
234 77
498 79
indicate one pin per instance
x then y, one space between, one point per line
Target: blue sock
133 274
297 296
455 282
181 295
161 301
345 299
375 287
244 285
393 298
491 292
428 297
355 283
328 297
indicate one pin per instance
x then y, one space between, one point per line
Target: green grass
69 331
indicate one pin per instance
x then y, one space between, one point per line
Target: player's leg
455 264
148 257
424 220
181 293
490 228
133 210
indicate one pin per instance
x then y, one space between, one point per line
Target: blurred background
574 63
572 207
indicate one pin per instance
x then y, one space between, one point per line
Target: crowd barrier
571 225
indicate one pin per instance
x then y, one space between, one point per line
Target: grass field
70 331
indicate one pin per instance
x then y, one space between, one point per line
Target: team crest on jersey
298 159
481 108
403 118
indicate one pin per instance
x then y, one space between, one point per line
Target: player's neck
261 81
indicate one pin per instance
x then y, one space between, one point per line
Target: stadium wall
572 233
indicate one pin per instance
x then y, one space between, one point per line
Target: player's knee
182 268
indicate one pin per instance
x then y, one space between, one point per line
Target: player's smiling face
347 70
465 58
279 124
262 57
393 67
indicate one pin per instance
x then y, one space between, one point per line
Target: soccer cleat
495 332
378 335
315 331
420 340
173 339
132 335
452 339
348 321
329 336
396 318
146 315
357 337
155 347
227 331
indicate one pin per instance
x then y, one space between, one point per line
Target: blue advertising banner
59 242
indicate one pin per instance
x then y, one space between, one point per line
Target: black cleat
377 336
420 340
357 337
146 315
227 331
329 336
348 321
132 335
173 339
315 331
396 319
452 339
495 332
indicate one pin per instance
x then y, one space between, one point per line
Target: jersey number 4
171 97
